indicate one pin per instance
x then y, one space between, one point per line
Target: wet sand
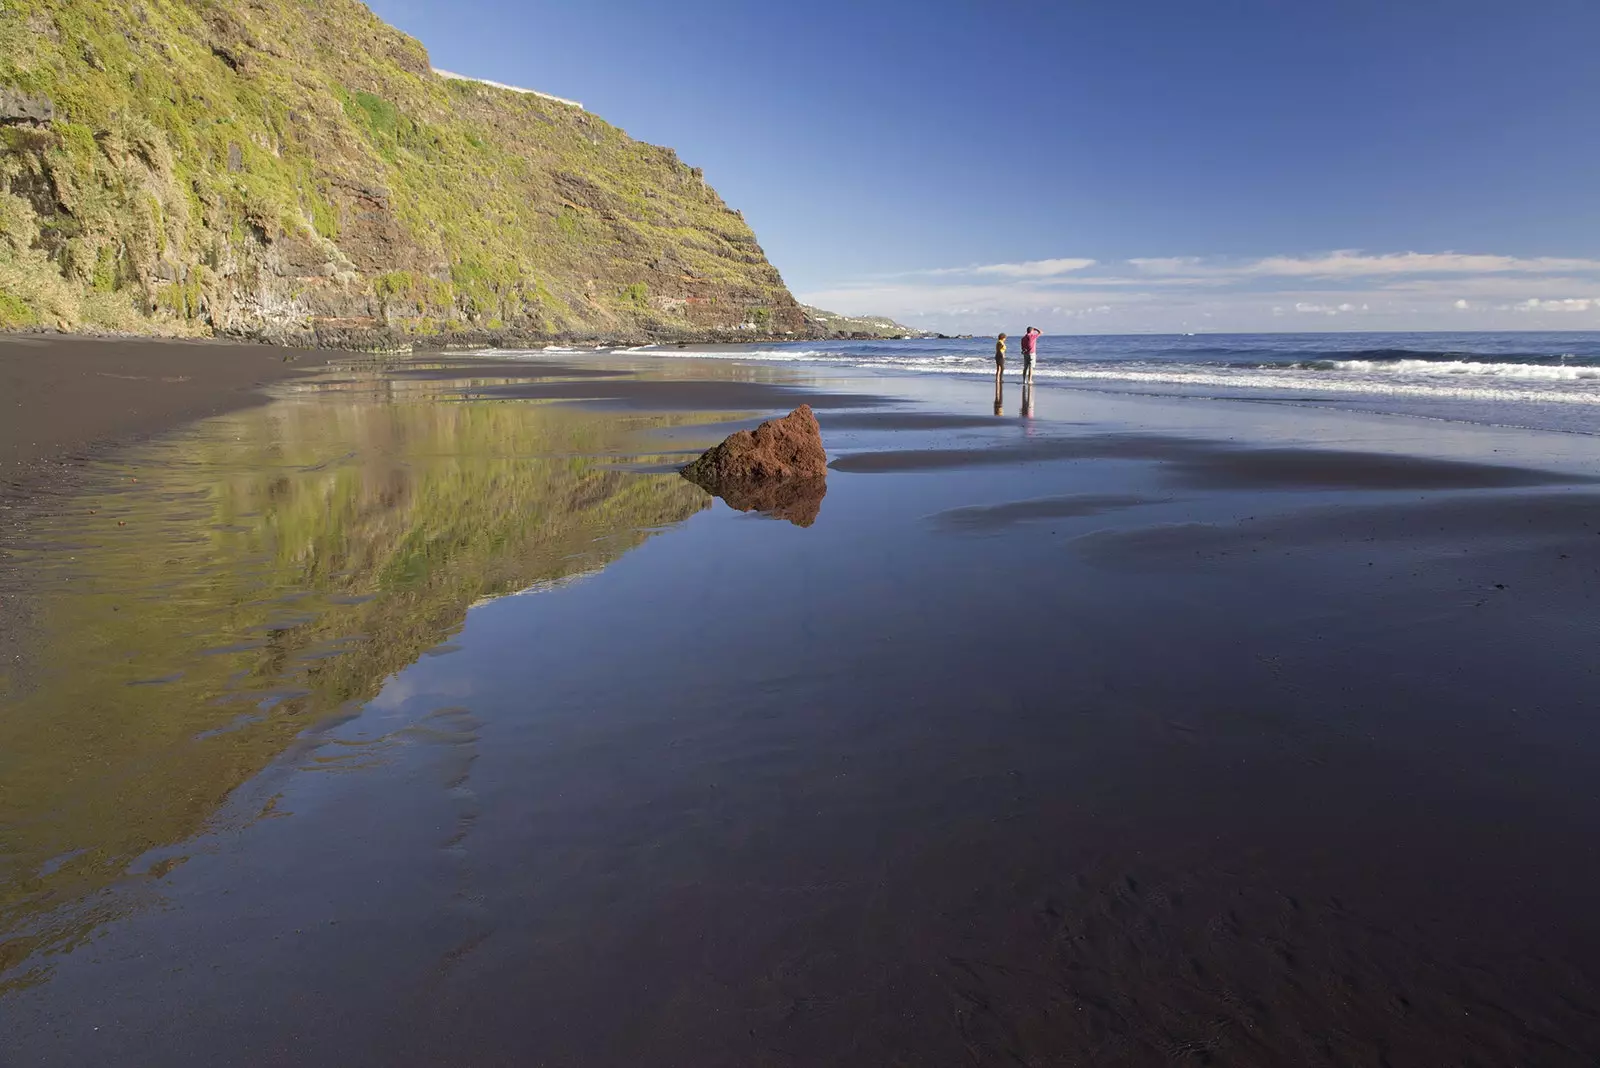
1129 734
67 398
1220 465
655 394
67 401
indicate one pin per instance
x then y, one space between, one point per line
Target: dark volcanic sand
1217 465
1100 746
64 398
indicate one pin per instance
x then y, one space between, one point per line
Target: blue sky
1102 166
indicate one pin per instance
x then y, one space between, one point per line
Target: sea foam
1437 368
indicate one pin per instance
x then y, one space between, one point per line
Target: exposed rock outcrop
779 468
17 108
775 451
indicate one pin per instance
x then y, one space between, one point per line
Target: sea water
1547 381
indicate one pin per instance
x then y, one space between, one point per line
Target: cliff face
298 172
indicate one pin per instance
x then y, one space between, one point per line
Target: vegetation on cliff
821 323
297 171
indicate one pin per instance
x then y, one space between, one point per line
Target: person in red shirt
1030 349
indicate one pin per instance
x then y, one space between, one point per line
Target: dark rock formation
777 450
779 468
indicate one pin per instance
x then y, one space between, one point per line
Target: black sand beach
421 715
67 397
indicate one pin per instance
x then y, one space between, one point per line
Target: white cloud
1345 289
1483 288
1026 269
1353 263
1568 304
1327 309
913 301
1167 264
1036 268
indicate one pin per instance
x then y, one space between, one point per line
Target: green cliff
295 170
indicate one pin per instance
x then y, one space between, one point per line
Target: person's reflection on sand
999 391
1027 399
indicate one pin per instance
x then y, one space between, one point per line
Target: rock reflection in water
227 588
780 468
797 500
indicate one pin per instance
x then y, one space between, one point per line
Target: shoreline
70 400
1138 726
71 403
381 341
75 399
1537 381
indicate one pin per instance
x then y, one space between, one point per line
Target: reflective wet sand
212 595
1127 744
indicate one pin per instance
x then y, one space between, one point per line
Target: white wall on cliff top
509 88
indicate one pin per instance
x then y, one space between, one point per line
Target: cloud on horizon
1035 268
1353 263
1026 269
1570 304
1357 289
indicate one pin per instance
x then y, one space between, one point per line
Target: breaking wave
1546 372
1526 379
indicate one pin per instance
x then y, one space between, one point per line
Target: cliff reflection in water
235 585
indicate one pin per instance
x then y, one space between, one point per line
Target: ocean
1545 381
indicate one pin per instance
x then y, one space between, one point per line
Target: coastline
1139 729
1545 380
69 399
373 340
72 402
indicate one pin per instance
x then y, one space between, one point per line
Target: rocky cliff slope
298 172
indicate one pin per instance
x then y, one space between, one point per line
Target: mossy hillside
295 170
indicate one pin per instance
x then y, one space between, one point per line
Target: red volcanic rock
775 451
779 467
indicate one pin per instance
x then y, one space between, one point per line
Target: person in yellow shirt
1000 353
